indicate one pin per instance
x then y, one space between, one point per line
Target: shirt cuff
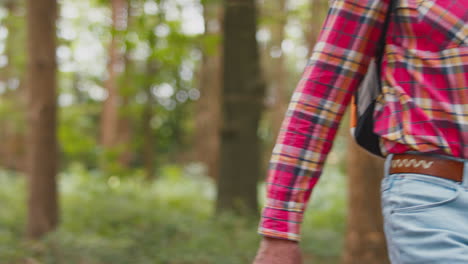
282 223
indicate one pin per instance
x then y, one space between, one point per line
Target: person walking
421 118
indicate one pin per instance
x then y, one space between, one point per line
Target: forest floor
122 220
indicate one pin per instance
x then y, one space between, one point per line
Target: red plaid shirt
424 105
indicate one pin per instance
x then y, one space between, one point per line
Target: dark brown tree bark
242 105
209 105
365 240
42 117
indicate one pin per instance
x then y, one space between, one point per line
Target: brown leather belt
429 165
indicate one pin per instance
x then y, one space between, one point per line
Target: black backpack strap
383 41
364 129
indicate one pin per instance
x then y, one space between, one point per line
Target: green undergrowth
122 220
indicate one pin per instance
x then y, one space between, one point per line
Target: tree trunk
42 119
365 240
242 105
110 112
116 130
278 94
273 65
208 106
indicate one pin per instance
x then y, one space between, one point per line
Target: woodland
139 131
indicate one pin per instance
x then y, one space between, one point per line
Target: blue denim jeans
426 218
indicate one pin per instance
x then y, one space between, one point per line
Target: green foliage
324 223
107 218
131 220
76 133
15 43
12 216
157 53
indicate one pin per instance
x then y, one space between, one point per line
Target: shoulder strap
382 41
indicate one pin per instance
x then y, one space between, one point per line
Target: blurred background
139 131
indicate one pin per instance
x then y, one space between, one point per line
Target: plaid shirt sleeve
338 63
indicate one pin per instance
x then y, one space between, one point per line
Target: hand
278 251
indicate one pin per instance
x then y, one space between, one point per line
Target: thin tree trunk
116 127
242 105
273 62
110 112
365 240
208 106
278 91
42 117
